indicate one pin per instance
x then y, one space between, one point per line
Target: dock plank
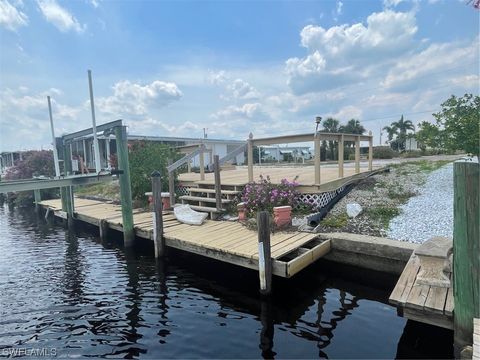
226 241
436 299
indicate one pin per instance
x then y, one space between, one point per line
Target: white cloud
437 59
241 89
339 7
346 113
391 3
60 17
249 111
343 54
217 77
11 17
135 99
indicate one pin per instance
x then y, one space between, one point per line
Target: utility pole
205 133
380 137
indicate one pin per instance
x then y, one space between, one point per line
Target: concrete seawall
369 252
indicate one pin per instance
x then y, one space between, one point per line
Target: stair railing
186 159
231 155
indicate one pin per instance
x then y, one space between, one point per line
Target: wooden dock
429 304
225 241
238 176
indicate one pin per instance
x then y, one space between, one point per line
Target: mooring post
38 197
125 187
370 151
466 251
218 185
67 166
250 157
171 184
158 239
264 253
316 141
357 155
103 229
341 144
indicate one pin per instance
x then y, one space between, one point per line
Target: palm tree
331 125
353 127
391 132
403 126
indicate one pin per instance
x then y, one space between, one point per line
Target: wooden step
206 209
212 191
203 199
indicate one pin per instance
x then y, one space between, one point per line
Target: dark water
70 295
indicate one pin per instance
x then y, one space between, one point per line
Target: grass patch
399 195
105 190
335 221
383 214
422 165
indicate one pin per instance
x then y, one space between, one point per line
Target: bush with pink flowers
264 195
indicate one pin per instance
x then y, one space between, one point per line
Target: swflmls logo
34 352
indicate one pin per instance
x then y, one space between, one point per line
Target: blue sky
172 68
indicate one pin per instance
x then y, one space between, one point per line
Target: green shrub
335 221
383 214
411 154
144 158
383 152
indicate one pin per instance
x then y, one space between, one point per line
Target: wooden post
189 166
218 185
341 155
38 197
103 228
171 184
466 251
250 157
125 187
202 165
357 155
264 253
316 142
370 151
69 205
158 238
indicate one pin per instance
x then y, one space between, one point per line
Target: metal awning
286 151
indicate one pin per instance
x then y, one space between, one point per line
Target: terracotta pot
282 216
242 212
165 200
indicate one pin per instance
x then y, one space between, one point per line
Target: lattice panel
318 201
183 190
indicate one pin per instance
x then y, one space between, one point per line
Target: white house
285 153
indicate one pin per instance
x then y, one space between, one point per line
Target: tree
353 127
430 135
460 124
331 125
392 132
402 126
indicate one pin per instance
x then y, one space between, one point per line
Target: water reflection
103 301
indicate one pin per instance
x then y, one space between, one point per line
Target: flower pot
165 200
242 212
282 216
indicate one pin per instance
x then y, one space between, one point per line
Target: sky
173 68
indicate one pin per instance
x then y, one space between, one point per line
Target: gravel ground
382 198
430 213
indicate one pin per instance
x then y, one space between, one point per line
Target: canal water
69 295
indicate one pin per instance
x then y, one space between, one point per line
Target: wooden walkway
222 240
429 304
306 176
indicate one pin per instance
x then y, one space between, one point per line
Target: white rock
353 210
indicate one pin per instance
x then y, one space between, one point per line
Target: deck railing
316 138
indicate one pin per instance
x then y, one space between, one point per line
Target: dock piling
38 197
370 151
466 251
317 159
158 239
103 229
341 155
264 253
250 157
125 187
218 186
